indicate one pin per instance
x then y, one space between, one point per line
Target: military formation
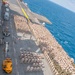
34 60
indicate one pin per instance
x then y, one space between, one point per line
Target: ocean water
63 22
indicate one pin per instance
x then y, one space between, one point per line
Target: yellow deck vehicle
7 65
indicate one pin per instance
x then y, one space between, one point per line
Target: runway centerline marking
14 50
16 61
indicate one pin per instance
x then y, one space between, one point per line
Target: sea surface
63 22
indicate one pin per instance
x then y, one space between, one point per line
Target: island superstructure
30 38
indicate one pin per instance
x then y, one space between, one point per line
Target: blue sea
63 22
